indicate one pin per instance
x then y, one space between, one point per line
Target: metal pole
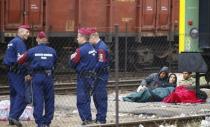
197 81
126 46
170 56
117 73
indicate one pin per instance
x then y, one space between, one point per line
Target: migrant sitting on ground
154 80
185 92
187 80
172 79
153 94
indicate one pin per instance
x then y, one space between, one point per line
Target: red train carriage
146 21
59 17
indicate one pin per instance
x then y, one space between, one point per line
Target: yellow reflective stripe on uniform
182 25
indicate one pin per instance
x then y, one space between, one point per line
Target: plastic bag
4 111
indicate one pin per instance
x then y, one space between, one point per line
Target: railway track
177 121
70 87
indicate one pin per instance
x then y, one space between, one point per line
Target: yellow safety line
181 25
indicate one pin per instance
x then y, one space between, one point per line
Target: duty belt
103 70
44 71
92 86
88 74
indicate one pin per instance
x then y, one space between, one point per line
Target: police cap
41 35
93 30
84 31
25 26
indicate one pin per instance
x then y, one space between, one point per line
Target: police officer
15 48
84 61
99 91
42 61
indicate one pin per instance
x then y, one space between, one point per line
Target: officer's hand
73 55
28 78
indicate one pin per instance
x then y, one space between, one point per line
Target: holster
13 68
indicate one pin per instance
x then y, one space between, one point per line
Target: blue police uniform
84 64
100 92
42 61
16 73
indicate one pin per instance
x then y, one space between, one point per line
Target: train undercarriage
151 52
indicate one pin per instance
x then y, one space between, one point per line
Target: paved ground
66 114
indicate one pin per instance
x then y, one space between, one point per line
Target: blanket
149 95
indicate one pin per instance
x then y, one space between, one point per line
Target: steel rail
178 121
70 87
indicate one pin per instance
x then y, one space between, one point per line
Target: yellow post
181 25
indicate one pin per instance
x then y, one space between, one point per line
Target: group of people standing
91 62
36 65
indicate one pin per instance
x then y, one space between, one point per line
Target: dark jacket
154 80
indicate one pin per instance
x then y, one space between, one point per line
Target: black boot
14 122
11 122
87 122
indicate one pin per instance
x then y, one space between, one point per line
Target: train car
144 21
63 17
194 34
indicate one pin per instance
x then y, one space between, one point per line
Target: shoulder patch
9 45
101 57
